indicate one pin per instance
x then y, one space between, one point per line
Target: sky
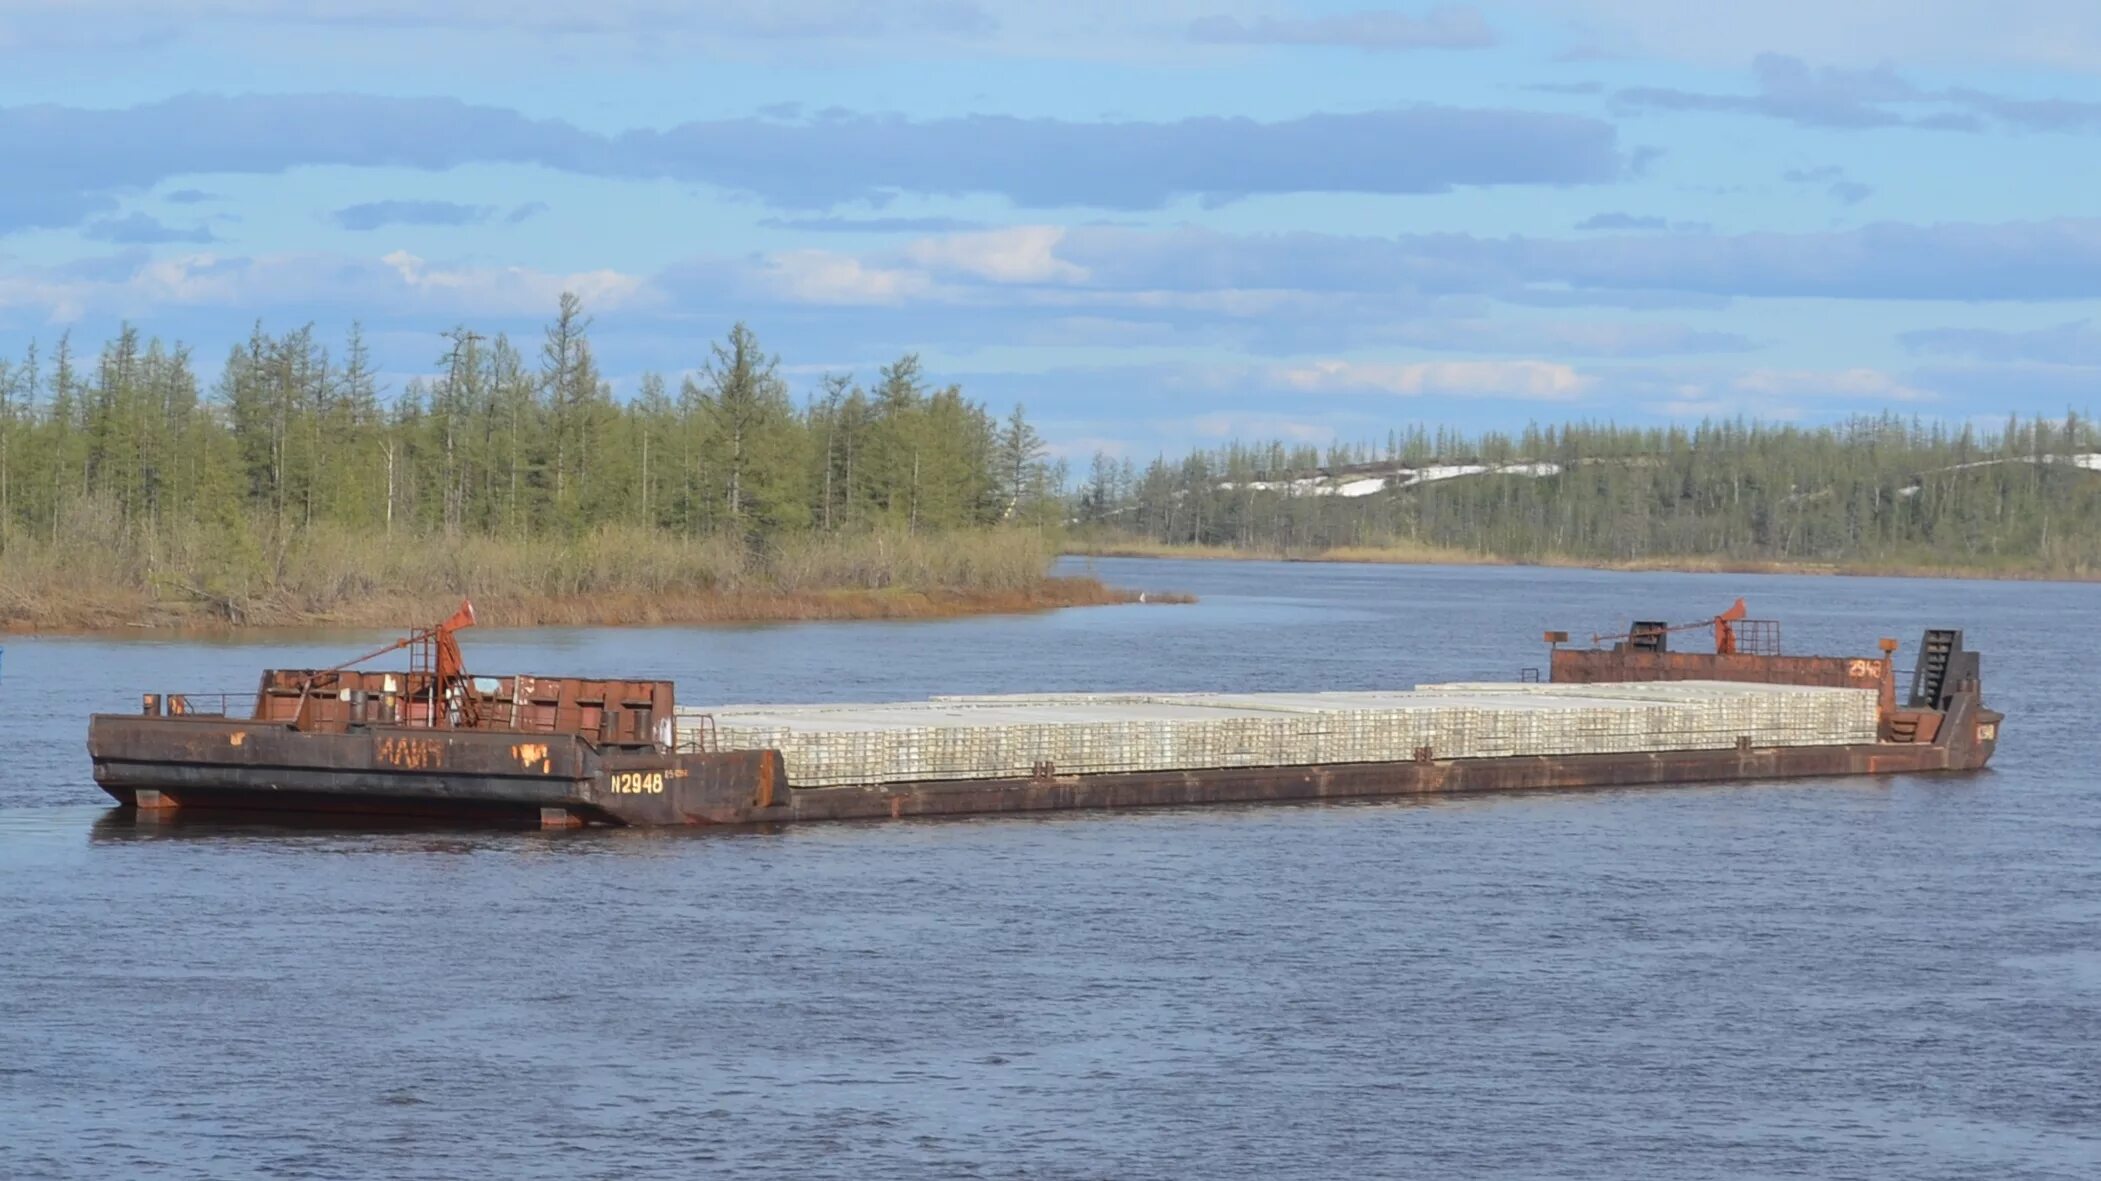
1158 225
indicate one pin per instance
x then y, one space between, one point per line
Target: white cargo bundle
1015 736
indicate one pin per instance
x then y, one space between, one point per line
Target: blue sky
1159 225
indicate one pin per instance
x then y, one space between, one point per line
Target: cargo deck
1093 734
571 750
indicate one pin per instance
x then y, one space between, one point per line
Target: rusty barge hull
569 751
493 778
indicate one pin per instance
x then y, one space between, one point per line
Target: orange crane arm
1725 632
450 664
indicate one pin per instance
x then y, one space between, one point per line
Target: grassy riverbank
104 579
1417 554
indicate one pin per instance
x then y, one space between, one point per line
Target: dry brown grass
104 576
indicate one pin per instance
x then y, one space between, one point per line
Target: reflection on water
256 829
1867 977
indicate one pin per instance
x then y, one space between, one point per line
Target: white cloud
1543 381
1783 395
514 289
395 282
828 277
1854 385
1249 427
1018 254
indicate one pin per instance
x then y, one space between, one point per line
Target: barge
434 740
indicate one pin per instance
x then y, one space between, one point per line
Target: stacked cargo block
1018 736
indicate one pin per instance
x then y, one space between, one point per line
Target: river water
1851 978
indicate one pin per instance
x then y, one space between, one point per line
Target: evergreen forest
2020 497
507 441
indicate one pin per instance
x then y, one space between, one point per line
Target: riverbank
111 613
608 577
1430 555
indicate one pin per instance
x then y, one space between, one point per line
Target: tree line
2021 495
501 441
528 441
